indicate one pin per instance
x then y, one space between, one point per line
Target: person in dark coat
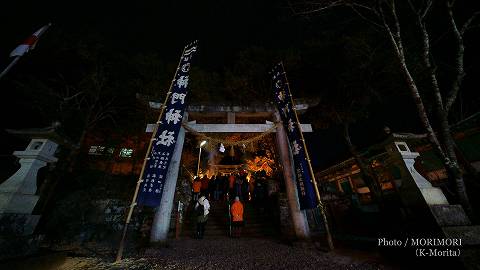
217 189
244 187
224 186
231 185
211 188
259 192
204 189
238 186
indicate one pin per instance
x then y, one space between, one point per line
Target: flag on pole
283 99
164 140
29 43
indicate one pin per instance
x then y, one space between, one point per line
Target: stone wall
99 229
16 235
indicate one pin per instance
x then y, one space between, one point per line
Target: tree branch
353 7
397 27
413 8
314 7
396 46
427 9
466 25
426 53
459 65
65 99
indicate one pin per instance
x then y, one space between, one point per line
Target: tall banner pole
317 193
139 181
14 61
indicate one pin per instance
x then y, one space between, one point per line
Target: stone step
220 217
226 221
226 224
222 226
225 213
226 232
450 215
246 216
257 223
249 217
470 235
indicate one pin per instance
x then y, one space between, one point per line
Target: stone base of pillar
450 215
286 224
433 196
16 235
17 203
18 224
429 209
455 224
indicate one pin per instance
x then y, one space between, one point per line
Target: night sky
223 29
162 27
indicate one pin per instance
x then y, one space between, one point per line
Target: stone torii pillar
300 224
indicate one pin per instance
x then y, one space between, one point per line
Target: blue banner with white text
306 192
164 140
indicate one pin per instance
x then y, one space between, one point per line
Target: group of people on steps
218 187
222 188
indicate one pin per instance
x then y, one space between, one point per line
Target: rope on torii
226 142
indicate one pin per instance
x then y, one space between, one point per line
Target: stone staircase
258 224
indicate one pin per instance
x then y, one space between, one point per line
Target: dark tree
386 15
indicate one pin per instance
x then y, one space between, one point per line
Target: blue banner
164 140
306 192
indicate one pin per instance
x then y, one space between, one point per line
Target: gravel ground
224 253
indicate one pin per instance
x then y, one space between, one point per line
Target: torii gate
161 223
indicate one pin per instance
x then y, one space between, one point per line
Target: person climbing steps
202 208
237 217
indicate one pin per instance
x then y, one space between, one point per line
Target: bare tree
349 104
78 106
384 15
367 173
92 101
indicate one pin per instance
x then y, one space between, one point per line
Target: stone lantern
428 203
18 194
414 186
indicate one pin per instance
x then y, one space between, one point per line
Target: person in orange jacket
197 185
237 217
